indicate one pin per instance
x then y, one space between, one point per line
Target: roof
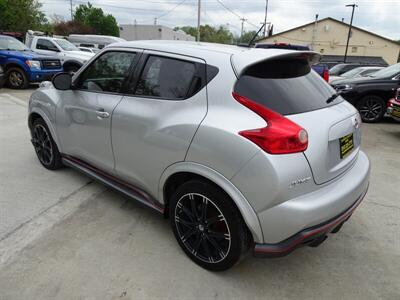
331 19
241 57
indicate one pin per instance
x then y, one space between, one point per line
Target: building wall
331 37
152 32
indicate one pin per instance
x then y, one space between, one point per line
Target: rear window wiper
333 97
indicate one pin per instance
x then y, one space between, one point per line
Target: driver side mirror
62 81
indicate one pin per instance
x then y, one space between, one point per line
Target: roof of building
335 20
373 60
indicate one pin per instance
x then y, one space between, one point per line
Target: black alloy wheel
208 226
372 108
45 147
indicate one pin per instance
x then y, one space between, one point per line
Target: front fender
42 104
247 212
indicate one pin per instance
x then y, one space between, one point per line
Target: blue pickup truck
22 66
321 68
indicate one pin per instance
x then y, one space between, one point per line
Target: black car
340 69
370 95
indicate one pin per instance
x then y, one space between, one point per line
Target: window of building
354 49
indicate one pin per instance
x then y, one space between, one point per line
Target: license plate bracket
346 145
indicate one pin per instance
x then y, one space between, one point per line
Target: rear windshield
285 86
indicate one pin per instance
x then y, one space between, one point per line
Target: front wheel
45 147
372 108
208 226
17 79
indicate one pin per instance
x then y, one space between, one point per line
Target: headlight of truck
33 64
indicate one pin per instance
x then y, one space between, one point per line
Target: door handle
101 114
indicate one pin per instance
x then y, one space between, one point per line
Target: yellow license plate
396 111
346 145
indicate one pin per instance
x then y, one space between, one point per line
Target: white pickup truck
72 58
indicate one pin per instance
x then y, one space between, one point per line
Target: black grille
51 64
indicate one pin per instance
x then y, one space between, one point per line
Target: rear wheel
207 226
45 147
17 79
372 108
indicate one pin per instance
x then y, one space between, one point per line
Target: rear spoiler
247 58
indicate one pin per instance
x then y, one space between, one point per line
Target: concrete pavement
63 237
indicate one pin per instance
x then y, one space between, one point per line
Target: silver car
241 148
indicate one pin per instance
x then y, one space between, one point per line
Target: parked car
321 68
240 147
371 94
71 57
22 66
93 41
340 69
356 73
394 106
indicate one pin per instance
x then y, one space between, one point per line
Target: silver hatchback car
241 148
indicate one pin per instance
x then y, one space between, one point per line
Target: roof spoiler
245 59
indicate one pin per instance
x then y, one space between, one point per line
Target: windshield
388 72
352 73
67 46
10 43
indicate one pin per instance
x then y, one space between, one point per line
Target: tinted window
166 78
107 73
43 44
285 86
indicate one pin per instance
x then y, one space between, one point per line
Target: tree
70 27
209 33
94 17
21 15
247 36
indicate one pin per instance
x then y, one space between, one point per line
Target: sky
378 16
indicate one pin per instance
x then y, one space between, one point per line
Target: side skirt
113 182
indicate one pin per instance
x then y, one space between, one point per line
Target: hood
29 54
80 55
354 80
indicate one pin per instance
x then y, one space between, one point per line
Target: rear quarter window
285 86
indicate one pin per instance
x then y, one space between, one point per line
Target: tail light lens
325 75
280 136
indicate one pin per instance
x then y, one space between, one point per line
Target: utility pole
155 21
314 34
241 32
198 19
72 12
265 18
351 24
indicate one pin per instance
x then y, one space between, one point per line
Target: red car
393 109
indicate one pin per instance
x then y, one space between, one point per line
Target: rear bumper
312 236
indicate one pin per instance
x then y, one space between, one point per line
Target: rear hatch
287 85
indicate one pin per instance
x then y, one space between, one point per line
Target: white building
152 32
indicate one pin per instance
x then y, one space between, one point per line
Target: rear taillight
280 136
325 75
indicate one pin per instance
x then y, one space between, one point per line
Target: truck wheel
16 78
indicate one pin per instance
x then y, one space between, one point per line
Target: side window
107 73
43 44
166 78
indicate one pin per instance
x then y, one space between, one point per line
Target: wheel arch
72 62
35 114
15 64
182 172
379 93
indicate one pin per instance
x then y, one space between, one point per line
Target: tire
214 240
71 68
17 78
45 147
372 108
